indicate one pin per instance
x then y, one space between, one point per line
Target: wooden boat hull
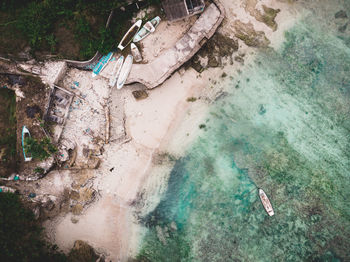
25 134
116 71
144 32
101 64
136 53
266 202
149 27
125 40
124 72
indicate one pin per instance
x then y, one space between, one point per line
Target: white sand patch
105 225
51 71
148 120
165 37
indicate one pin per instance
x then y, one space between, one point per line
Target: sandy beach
149 123
155 125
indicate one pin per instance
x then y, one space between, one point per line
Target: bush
39 170
39 150
35 22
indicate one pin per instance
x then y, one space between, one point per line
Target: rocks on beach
214 50
246 32
83 252
265 15
340 14
140 94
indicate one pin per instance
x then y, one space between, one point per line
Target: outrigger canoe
101 64
266 202
136 53
25 135
124 72
116 71
130 35
148 28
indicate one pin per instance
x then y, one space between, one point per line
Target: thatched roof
175 9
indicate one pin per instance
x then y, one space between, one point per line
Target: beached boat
147 29
130 35
25 135
136 53
266 202
124 72
101 64
116 71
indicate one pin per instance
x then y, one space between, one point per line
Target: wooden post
107 124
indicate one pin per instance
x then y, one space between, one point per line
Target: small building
179 9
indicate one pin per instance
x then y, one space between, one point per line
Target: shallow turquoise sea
285 127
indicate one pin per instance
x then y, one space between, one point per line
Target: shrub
39 149
191 99
39 170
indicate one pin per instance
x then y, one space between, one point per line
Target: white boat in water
130 35
116 71
266 202
148 28
136 53
124 72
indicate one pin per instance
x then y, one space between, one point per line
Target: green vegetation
39 149
39 170
68 28
20 235
7 125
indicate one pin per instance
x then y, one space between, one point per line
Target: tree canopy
21 235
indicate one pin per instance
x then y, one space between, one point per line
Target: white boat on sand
136 53
25 135
130 35
101 64
116 71
124 72
266 202
148 28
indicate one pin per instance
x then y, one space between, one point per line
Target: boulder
340 14
246 32
342 28
213 62
265 15
82 252
196 64
77 209
140 94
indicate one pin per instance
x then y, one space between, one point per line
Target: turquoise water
284 127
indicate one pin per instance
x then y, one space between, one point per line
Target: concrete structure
179 9
156 72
